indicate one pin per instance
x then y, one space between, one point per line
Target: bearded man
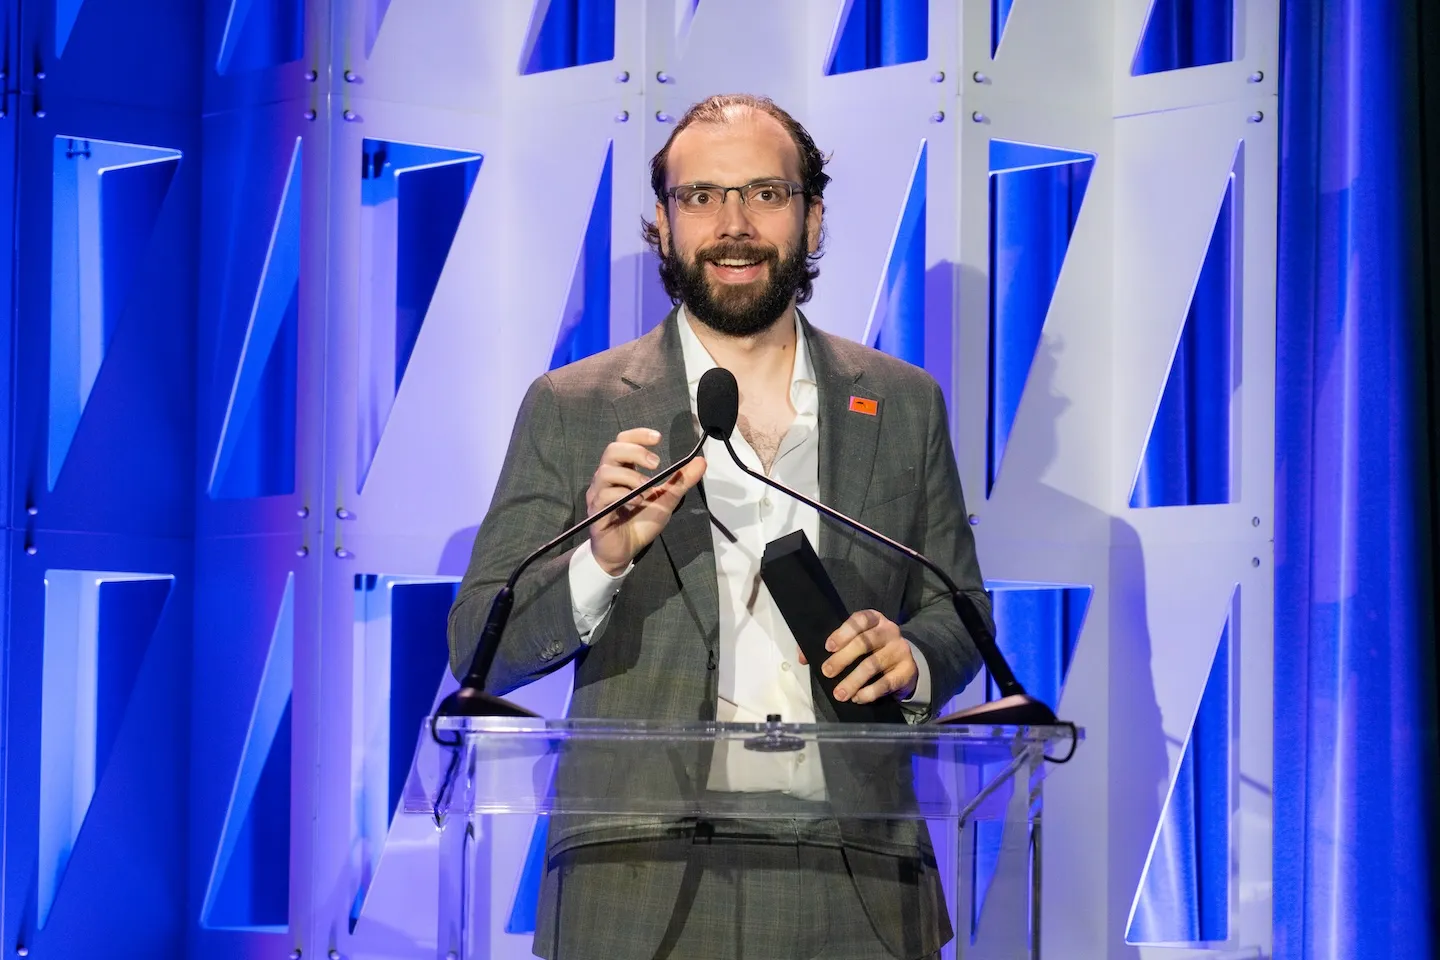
661 609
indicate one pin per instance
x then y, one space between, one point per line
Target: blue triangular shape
107 198
98 627
898 318
250 880
260 34
527 891
66 13
1033 212
1037 629
879 33
585 327
375 11
1185 33
999 18
255 455
1184 892
570 33
412 201
1187 458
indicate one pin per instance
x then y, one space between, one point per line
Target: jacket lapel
660 398
848 438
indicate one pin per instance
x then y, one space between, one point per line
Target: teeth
736 263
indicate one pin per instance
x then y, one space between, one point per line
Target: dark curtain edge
1424 23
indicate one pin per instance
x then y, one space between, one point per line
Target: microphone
716 394
1015 706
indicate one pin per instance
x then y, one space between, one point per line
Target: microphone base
471 702
1017 710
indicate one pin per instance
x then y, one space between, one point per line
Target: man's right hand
615 540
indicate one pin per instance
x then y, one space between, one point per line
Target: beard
741 309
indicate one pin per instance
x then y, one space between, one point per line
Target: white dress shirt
759 664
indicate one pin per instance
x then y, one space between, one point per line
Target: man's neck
766 356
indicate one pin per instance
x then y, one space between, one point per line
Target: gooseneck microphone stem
471 700
1015 706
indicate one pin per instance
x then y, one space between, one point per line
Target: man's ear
814 219
662 223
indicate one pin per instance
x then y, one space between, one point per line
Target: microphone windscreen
717 402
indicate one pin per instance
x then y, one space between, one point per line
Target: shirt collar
698 359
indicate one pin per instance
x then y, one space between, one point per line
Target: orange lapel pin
864 405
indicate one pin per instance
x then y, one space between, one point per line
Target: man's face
738 269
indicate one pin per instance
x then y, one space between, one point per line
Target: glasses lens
699 200
768 195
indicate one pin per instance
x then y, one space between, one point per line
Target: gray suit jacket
655 656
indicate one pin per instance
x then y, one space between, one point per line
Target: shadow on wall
1137 760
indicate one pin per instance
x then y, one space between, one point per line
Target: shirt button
765 503
800 759
785 666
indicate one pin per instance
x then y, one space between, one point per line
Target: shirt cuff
592 590
918 703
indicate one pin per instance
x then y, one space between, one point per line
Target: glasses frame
796 189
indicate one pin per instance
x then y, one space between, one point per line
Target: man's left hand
888 667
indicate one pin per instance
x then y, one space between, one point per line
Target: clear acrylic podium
976 788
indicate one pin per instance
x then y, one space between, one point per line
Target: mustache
733 250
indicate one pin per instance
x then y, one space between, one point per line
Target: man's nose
733 220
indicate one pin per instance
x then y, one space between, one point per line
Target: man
661 609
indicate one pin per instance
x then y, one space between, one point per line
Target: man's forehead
750 144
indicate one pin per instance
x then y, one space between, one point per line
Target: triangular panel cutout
898 317
255 455
98 627
261 34
1185 33
107 198
684 19
66 13
585 327
569 33
1184 892
1036 193
399 631
879 33
1037 627
412 199
375 11
999 18
1188 458
249 887
527 892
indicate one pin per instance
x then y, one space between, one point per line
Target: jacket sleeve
929 618
534 500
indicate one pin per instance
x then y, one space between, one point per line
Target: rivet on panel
938 116
344 514
622 117
350 116
333 954
32 510
295 954
31 549
351 76
1254 521
22 951
1256 117
974 520
979 77
623 76
1256 77
303 512
39 74
938 77
979 117
342 553
664 77
302 552
310 114
663 117
312 75
1254 561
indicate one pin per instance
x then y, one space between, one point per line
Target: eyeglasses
759 196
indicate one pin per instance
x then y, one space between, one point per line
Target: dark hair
813 177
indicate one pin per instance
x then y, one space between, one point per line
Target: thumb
691 473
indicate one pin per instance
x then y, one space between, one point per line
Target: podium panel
960 802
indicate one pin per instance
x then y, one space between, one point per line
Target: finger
802 658
865 671
629 455
858 646
854 625
610 475
641 435
669 493
898 677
